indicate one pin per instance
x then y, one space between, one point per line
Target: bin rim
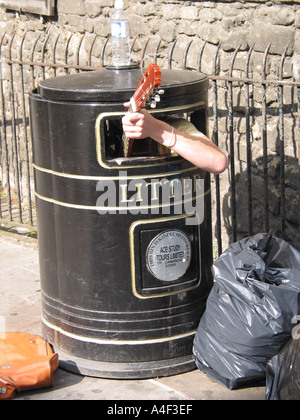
116 85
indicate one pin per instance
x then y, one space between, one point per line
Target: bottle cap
119 4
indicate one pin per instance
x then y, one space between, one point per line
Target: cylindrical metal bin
124 276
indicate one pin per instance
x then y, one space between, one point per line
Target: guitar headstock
147 87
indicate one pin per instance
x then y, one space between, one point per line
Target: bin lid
117 85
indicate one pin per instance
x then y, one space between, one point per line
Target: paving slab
20 310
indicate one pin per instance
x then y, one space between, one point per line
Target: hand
138 125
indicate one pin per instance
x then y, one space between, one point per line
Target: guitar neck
150 81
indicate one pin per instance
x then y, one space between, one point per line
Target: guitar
146 89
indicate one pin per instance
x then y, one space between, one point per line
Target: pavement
20 310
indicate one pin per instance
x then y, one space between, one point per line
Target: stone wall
207 33
230 22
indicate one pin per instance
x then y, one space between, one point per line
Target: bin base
140 361
144 370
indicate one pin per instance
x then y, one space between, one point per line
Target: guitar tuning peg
161 92
157 98
153 104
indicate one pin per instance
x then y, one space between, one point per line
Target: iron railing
253 117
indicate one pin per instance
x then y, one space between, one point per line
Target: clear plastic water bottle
120 36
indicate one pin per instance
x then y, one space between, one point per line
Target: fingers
132 118
134 124
133 132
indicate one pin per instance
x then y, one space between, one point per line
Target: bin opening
112 133
114 144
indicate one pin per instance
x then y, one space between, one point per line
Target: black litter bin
114 305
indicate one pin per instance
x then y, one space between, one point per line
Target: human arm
196 148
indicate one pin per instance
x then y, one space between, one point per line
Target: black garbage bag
283 373
249 312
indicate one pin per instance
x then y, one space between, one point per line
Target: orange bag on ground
26 362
